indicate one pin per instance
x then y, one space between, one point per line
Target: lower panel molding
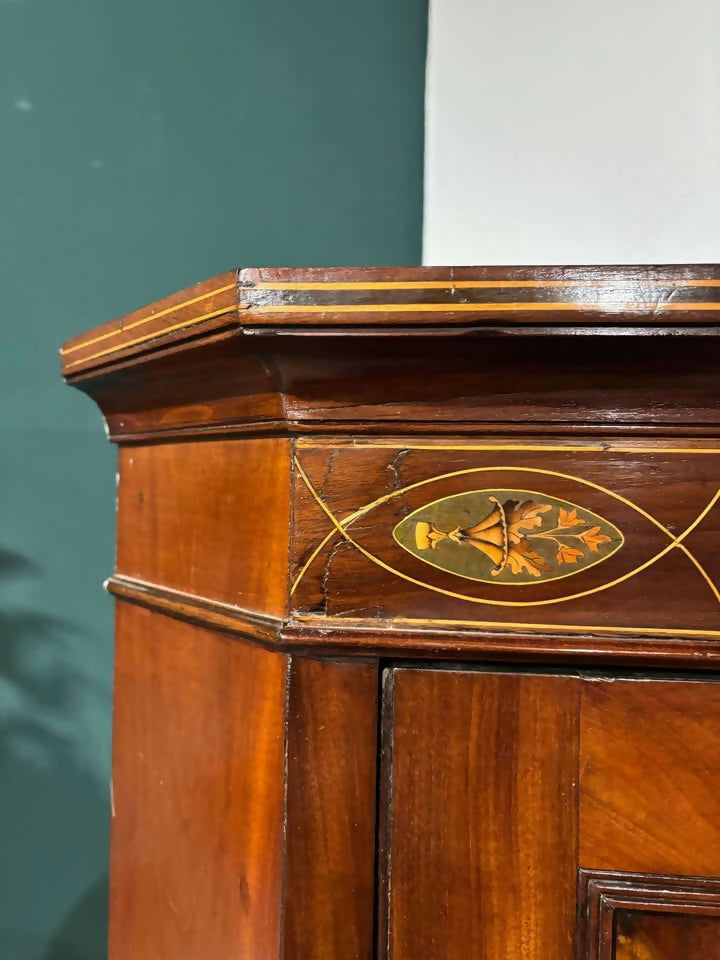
328 636
263 630
631 916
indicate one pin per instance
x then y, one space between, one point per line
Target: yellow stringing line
150 336
154 316
450 307
504 624
473 284
609 447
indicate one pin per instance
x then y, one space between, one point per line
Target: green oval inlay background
465 510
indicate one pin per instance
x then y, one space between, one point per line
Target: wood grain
217 384
358 493
362 639
666 937
196 516
223 617
206 306
650 753
467 641
394 382
198 758
482 831
331 763
374 383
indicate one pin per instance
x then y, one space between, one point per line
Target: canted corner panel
584 537
631 916
208 520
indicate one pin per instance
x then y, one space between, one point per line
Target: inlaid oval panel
507 536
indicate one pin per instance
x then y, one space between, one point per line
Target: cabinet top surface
425 300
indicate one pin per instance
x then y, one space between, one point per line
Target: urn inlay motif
508 536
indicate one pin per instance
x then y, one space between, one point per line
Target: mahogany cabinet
418 614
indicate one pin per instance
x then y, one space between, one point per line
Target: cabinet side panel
483 821
332 757
209 518
198 784
650 756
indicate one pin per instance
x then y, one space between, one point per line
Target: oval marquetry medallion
507 536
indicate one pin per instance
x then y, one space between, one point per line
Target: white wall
569 131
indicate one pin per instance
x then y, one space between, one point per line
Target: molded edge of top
367 299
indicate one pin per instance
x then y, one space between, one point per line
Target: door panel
649 777
549 817
483 816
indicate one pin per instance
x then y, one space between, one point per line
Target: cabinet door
549 817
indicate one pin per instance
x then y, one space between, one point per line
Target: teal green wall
148 144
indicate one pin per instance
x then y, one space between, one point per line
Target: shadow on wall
84 927
48 790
